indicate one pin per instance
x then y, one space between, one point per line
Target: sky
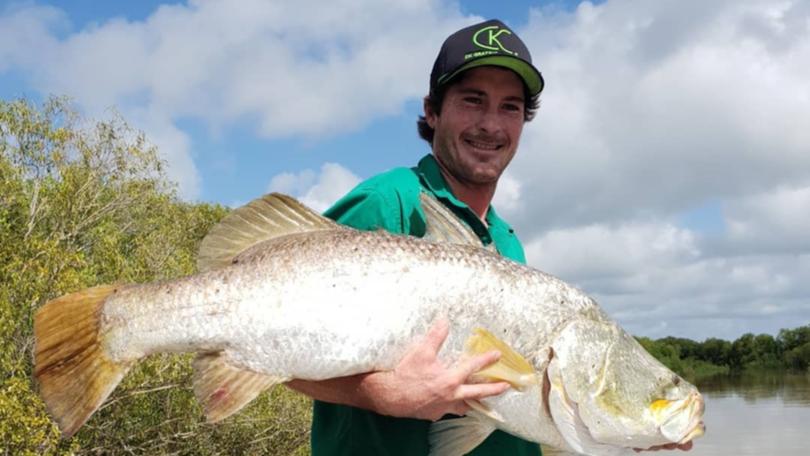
667 173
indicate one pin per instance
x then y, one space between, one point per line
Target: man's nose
489 121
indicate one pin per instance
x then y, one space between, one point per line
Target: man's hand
670 446
421 386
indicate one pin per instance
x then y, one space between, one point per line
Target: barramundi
284 293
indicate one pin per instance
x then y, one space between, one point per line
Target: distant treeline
789 350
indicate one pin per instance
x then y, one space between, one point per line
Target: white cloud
316 190
507 196
654 279
651 107
291 68
772 221
596 252
26 34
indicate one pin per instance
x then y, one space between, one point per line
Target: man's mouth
483 145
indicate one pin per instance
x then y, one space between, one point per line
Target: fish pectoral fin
511 367
442 226
458 436
260 220
481 408
223 389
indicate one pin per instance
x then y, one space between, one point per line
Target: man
483 87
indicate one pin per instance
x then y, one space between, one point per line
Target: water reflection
765 413
792 389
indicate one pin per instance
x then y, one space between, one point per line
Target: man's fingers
481 390
468 366
669 446
460 409
685 446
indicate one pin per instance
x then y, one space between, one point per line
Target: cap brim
531 77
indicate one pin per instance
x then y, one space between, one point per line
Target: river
759 414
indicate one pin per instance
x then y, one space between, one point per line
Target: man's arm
419 387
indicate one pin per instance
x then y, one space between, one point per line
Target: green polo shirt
390 201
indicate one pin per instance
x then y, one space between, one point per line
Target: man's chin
483 179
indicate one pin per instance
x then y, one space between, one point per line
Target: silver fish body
333 302
295 311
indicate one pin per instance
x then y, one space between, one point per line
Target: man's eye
472 100
512 107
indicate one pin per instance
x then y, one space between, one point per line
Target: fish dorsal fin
458 436
223 389
511 367
264 218
442 226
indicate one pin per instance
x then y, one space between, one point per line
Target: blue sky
667 172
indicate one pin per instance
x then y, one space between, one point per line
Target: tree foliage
83 204
789 350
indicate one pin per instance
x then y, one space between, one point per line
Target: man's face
477 133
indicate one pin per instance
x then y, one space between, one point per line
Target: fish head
607 394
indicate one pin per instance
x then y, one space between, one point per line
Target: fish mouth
682 421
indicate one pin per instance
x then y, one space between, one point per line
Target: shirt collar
432 178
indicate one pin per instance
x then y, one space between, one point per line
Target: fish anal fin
511 367
458 436
262 219
442 226
74 373
224 389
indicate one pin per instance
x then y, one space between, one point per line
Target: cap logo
490 39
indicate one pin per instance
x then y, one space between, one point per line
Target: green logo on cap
491 38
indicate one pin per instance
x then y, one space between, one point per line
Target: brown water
754 414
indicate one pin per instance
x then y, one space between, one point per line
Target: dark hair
436 97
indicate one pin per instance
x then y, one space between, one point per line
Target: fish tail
75 375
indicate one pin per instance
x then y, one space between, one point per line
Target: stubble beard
466 173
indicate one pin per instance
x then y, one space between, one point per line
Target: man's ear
430 115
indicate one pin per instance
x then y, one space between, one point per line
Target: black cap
487 43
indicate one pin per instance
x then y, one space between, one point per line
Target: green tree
88 203
716 351
742 351
798 358
793 338
795 344
767 353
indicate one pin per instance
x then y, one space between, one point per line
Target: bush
81 206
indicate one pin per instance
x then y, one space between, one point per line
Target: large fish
287 294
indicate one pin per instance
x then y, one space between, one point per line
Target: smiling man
483 88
